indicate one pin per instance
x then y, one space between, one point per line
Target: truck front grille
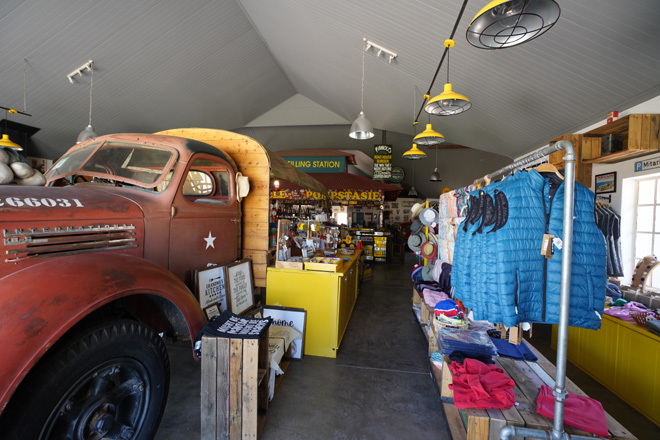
66 240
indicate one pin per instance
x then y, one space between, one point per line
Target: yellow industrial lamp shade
506 23
429 137
414 153
5 142
448 103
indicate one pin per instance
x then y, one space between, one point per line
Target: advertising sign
382 162
334 164
351 196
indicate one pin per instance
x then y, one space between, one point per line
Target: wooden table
485 424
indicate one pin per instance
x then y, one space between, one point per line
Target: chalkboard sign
210 288
239 286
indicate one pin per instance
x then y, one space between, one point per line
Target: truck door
205 217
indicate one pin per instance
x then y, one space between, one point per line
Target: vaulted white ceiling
231 63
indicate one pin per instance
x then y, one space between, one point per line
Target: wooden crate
427 313
234 396
416 299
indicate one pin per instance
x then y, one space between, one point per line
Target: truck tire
107 382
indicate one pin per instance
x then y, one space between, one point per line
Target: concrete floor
378 387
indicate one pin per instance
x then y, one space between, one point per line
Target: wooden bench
485 424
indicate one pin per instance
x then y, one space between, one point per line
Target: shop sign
647 164
355 195
397 175
331 164
302 194
382 162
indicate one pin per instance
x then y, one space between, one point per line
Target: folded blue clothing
522 351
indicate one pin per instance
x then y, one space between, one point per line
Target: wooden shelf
620 156
641 136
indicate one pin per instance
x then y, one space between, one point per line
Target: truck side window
207 182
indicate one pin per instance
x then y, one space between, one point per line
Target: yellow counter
624 357
328 297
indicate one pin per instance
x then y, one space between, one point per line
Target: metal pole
559 390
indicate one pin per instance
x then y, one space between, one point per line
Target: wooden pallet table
485 424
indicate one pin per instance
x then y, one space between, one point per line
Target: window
207 182
647 228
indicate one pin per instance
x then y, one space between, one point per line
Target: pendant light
448 102
435 176
413 192
506 23
5 141
88 132
361 128
414 153
429 136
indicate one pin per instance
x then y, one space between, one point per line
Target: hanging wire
91 85
445 53
364 50
24 85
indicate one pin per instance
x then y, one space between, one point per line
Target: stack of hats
418 241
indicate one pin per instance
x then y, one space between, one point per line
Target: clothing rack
603 198
559 390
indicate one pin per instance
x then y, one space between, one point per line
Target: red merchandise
477 385
580 412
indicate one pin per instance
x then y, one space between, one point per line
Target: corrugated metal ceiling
223 63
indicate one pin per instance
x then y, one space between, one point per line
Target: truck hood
45 222
22 203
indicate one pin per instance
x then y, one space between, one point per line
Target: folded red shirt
580 412
477 385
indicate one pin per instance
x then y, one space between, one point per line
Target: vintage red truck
97 269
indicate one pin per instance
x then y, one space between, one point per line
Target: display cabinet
328 298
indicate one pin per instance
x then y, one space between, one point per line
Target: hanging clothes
498 269
609 223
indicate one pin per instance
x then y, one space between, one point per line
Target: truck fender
42 302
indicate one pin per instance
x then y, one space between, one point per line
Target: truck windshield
115 162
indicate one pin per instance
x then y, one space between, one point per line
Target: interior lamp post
506 23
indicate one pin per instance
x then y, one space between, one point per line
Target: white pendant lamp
88 132
506 23
361 128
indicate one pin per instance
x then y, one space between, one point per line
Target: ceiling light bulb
507 13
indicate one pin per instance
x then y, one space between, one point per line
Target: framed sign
239 286
212 311
290 317
605 183
210 288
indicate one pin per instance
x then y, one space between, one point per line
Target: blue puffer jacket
502 275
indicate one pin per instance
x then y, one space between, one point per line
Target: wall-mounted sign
382 162
397 175
342 196
647 164
333 164
294 194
